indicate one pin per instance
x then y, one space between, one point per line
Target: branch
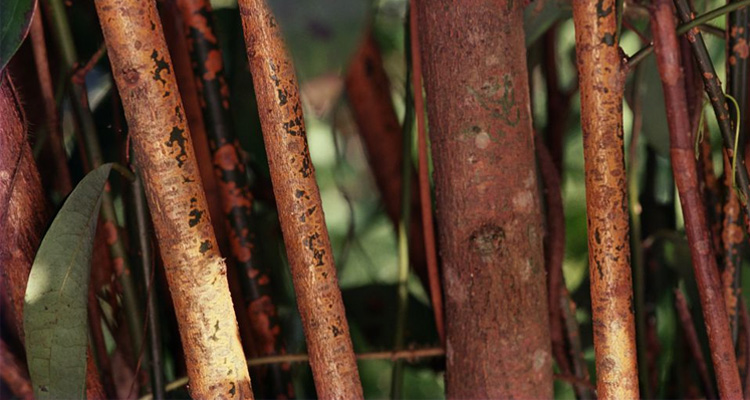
685 172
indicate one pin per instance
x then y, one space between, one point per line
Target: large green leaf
15 19
55 323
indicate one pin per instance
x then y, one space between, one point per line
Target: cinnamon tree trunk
164 153
601 80
488 207
300 209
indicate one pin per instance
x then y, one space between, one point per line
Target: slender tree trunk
696 226
488 207
164 153
235 194
601 78
300 209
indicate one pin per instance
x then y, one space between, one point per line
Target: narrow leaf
55 323
15 19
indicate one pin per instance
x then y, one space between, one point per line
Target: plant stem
300 209
141 239
56 141
689 23
691 337
164 153
93 154
234 188
554 251
408 355
602 77
738 69
685 172
425 197
636 238
402 299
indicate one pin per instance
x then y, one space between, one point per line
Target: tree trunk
164 153
23 215
300 209
601 80
235 194
488 208
696 225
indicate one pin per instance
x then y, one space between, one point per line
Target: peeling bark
488 206
164 153
300 208
601 80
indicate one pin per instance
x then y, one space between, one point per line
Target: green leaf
15 19
55 322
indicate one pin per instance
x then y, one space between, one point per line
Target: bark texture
601 80
164 152
234 190
696 225
488 207
23 215
300 209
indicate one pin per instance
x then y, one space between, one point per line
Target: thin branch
428 226
685 172
691 337
56 141
573 334
406 355
402 299
718 101
689 24
554 251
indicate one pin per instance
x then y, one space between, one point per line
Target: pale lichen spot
523 201
482 140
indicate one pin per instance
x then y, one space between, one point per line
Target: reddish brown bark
425 195
23 208
300 208
696 226
164 153
23 214
601 79
174 33
13 373
234 192
488 208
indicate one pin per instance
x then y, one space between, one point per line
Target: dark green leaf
55 323
15 19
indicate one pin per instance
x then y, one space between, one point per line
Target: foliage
55 322
15 20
